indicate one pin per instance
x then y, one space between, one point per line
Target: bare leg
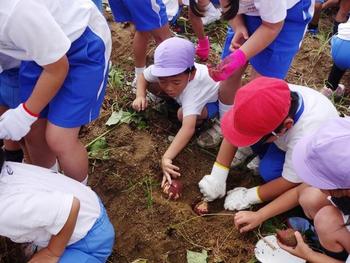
71 153
140 48
160 34
312 200
331 231
39 151
229 87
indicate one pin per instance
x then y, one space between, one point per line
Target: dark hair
2 157
189 70
294 104
232 9
196 10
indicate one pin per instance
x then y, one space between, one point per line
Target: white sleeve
148 75
30 211
37 34
288 172
273 11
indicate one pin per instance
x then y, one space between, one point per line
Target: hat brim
303 168
232 135
166 72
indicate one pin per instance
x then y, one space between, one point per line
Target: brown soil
147 224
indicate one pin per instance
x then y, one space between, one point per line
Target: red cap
259 108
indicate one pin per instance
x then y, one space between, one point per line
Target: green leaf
197 257
115 118
98 150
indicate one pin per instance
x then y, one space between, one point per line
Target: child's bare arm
58 243
181 139
226 153
48 84
248 220
140 102
261 38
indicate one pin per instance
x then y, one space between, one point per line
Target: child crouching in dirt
271 116
322 160
189 84
63 217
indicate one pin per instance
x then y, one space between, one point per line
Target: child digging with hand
175 74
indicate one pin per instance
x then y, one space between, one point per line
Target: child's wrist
36 115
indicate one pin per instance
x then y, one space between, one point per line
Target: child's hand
228 66
140 103
241 35
44 256
302 250
247 220
16 123
169 170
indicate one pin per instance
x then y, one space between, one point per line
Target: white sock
85 181
223 108
138 71
55 167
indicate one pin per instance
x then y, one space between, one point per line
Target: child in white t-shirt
64 218
189 84
64 47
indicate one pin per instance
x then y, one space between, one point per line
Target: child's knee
328 221
311 199
180 114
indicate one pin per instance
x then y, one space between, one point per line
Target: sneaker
212 14
212 137
339 92
253 165
203 48
241 156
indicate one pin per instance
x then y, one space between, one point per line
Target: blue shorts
271 161
146 15
80 98
341 52
96 246
319 1
275 60
9 88
212 109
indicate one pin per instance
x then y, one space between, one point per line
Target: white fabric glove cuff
253 196
219 171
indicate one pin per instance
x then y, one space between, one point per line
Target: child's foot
212 137
211 15
203 48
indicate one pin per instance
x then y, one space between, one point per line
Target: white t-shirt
198 92
36 202
172 7
271 11
317 110
43 30
8 62
344 30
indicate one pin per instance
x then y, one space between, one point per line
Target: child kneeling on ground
63 217
189 83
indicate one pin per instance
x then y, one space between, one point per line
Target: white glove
15 123
241 198
214 185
